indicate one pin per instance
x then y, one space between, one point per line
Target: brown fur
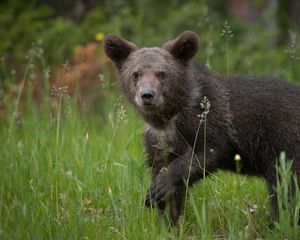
253 117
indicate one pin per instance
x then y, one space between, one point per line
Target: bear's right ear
117 49
183 47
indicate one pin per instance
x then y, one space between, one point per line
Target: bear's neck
158 121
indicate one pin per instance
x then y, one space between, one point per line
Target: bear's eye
135 75
162 75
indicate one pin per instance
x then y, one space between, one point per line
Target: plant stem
188 178
110 144
58 127
12 121
227 56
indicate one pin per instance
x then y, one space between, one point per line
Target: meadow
74 177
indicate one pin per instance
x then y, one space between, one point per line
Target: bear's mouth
148 107
148 104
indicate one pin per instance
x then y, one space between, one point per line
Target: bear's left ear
117 49
183 47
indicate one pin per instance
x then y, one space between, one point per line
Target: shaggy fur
256 118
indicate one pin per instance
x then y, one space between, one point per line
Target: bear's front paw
162 187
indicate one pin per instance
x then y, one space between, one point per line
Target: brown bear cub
254 117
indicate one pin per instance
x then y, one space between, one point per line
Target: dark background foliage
262 38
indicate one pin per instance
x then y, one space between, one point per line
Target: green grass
64 183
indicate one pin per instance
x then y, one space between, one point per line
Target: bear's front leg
170 183
158 159
168 193
176 204
162 187
158 165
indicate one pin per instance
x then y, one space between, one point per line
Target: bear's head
155 80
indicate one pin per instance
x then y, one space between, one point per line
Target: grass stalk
58 126
111 144
20 92
227 56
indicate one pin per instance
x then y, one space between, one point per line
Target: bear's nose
147 96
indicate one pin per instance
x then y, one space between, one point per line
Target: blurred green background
264 32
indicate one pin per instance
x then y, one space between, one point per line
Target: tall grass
82 194
227 34
288 199
292 51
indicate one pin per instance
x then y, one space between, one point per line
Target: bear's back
266 115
